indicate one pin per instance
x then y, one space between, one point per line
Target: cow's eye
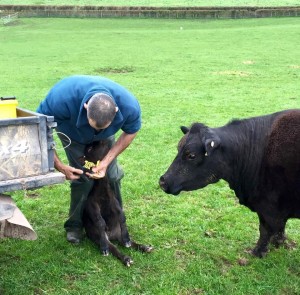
191 156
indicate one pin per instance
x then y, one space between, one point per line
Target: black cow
103 217
260 159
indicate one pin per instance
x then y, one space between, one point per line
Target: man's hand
98 171
95 175
71 173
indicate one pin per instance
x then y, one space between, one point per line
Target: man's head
101 110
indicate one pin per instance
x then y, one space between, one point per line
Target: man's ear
117 109
211 144
85 105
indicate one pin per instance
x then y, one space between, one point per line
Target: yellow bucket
8 109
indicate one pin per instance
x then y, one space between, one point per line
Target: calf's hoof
127 244
147 248
105 252
74 236
127 261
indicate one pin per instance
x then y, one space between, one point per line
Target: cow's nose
163 184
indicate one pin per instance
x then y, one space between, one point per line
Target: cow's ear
211 144
184 129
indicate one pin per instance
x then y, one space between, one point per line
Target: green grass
162 3
181 71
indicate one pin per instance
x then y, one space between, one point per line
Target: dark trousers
81 187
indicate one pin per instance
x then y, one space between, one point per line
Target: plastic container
8 107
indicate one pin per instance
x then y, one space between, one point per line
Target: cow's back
283 150
283 163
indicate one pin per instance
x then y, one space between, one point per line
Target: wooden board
31 182
20 151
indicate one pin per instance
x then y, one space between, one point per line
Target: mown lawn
182 71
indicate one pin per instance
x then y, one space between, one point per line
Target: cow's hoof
105 252
128 261
259 253
290 245
278 240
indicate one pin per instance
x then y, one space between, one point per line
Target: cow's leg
271 230
279 237
266 233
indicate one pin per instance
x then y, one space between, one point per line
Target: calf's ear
184 129
211 144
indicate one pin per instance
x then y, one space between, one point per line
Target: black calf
103 217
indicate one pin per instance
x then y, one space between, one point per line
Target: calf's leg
124 237
96 229
141 247
126 260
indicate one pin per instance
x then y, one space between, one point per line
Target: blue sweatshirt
65 101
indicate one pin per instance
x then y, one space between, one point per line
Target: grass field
158 2
181 71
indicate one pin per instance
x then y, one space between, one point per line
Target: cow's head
197 162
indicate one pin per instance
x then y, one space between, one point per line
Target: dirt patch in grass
121 70
233 73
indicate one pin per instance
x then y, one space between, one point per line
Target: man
88 109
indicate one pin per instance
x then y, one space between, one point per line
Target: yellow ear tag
89 165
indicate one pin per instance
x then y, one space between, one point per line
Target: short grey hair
101 109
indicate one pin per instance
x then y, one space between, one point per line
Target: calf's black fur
103 217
